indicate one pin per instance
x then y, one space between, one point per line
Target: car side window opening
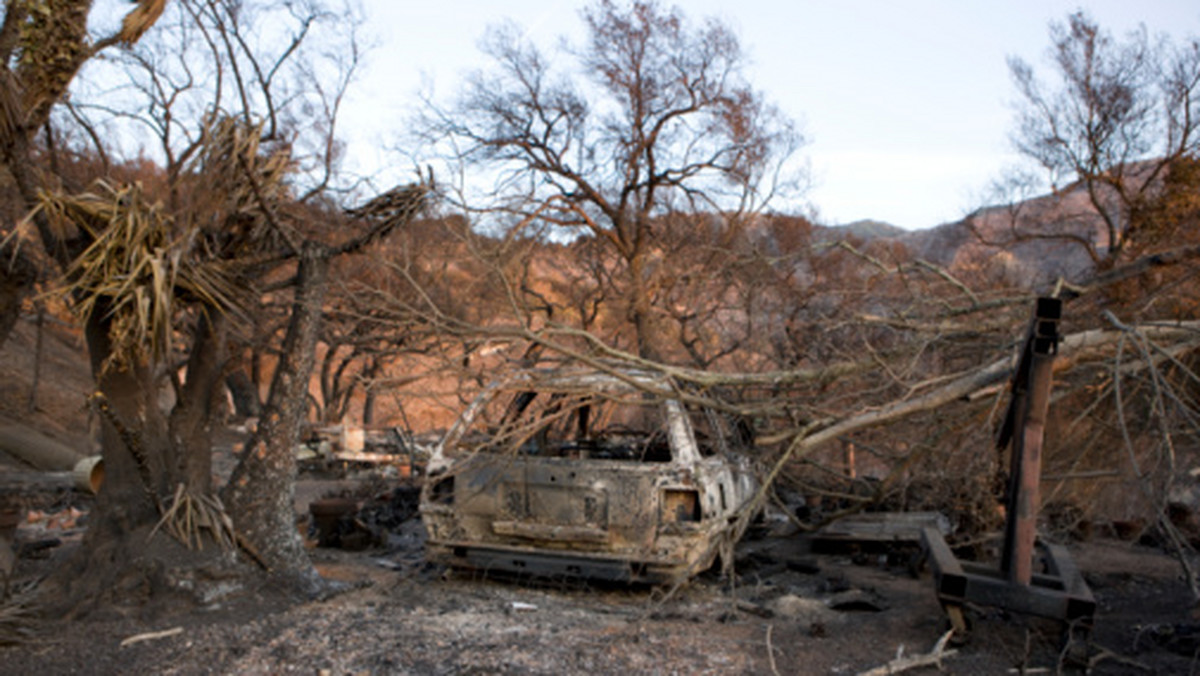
711 430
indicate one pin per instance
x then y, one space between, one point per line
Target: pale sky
906 103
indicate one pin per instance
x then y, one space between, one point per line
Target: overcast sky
906 103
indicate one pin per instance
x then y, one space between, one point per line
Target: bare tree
651 114
287 64
1118 115
42 48
230 97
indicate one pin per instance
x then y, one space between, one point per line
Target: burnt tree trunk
132 432
260 493
133 439
39 352
192 418
641 310
244 392
17 275
370 372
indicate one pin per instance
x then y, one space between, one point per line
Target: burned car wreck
587 474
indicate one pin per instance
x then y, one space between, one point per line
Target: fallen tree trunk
1073 349
37 449
50 455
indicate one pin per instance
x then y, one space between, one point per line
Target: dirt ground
788 612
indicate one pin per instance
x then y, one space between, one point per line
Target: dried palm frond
398 205
134 270
140 19
191 515
18 619
11 112
242 182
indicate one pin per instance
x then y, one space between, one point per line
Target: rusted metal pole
1026 428
1028 447
1059 592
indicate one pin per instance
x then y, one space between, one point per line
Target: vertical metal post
1025 428
1059 592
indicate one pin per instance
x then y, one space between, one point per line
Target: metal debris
586 474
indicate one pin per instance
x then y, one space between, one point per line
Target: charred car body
601 475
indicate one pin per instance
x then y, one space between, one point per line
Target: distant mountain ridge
1028 243
866 229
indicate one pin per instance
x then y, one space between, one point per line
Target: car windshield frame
531 401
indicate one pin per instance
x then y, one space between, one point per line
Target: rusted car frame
586 474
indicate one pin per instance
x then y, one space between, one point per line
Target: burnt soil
787 611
